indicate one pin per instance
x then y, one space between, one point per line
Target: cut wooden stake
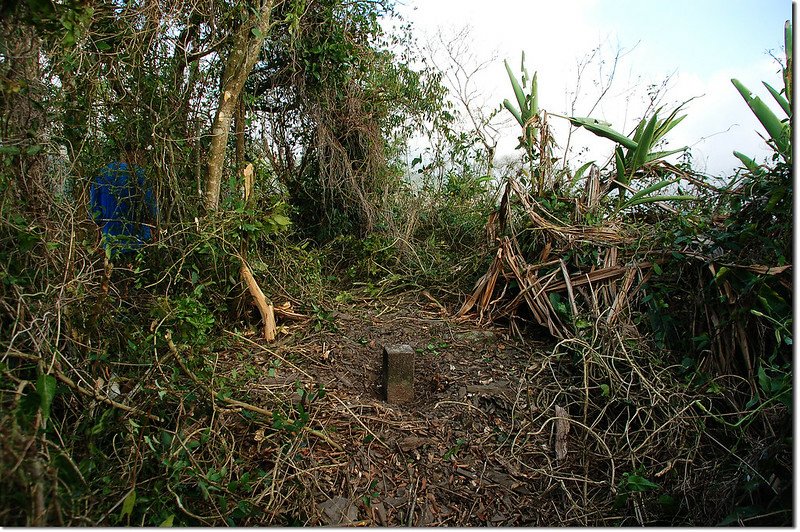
247 174
265 308
562 429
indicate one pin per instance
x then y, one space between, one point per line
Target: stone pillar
398 372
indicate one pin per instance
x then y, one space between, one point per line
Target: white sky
700 43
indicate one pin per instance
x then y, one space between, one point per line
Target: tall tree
245 50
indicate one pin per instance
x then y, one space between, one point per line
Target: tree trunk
22 117
246 47
239 128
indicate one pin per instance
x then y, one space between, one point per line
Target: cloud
557 35
720 121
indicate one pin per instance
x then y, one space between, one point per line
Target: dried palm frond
511 282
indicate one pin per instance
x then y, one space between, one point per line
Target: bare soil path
474 448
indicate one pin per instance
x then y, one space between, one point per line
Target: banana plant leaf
645 143
654 199
579 173
655 156
783 102
667 125
513 110
787 72
619 161
603 129
521 100
777 130
652 188
749 163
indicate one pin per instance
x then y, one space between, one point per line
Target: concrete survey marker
398 372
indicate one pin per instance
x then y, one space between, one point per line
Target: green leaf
46 388
652 188
166 523
281 220
645 143
579 173
619 161
654 199
603 129
749 163
783 102
721 273
655 156
637 135
668 502
33 150
767 384
639 483
787 71
9 150
518 93
257 33
513 110
777 130
127 504
667 125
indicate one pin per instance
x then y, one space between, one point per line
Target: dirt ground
466 452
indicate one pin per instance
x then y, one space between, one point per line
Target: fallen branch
285 311
266 309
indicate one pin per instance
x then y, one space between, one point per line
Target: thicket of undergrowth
675 368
